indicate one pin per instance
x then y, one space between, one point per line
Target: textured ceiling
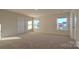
38 12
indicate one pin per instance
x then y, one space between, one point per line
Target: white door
75 26
20 26
72 25
77 30
25 25
0 31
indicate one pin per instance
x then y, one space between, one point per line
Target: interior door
20 25
75 26
72 25
0 31
25 25
77 30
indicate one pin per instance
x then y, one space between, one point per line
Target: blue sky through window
62 23
61 20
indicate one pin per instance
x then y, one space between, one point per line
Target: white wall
48 23
8 21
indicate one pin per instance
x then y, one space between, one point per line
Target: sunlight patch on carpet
10 38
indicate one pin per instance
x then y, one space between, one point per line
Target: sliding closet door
77 30
72 25
0 31
75 25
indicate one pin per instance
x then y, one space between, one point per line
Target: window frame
66 23
30 25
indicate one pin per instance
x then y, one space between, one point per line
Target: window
29 25
62 24
36 24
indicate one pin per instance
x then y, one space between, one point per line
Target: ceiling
38 12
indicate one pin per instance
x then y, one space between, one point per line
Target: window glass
29 25
62 24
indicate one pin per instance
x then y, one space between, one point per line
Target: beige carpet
37 41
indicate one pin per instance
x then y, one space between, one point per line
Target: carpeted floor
37 41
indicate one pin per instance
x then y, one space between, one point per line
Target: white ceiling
38 12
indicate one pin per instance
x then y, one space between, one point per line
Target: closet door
77 30
75 25
72 25
0 31
25 25
20 26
